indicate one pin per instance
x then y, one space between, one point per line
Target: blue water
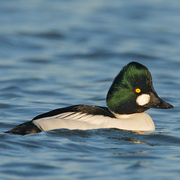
59 53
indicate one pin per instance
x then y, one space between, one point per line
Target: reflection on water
62 53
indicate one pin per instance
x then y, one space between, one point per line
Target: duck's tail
25 128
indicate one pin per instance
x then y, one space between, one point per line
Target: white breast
71 120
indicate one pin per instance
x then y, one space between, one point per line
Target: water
59 53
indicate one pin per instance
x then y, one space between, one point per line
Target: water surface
59 53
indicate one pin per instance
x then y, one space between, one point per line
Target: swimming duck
130 94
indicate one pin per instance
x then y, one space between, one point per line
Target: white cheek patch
143 99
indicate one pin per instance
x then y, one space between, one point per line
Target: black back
86 109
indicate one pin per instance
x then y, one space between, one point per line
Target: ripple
138 56
37 61
105 54
51 35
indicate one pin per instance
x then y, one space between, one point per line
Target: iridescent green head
132 91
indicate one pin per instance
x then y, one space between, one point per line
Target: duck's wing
61 118
72 117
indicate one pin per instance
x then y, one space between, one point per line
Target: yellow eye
137 90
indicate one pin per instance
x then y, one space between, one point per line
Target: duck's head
132 91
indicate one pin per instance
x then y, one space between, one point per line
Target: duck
130 94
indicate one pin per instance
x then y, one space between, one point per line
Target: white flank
71 120
143 99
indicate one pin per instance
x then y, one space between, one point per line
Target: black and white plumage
84 117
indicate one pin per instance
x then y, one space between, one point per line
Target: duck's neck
123 116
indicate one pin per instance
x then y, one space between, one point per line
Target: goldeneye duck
130 94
